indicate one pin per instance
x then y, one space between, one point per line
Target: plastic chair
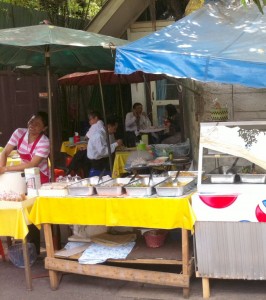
2 253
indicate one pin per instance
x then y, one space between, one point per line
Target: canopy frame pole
105 122
121 103
50 111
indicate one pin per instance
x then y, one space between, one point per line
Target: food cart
230 203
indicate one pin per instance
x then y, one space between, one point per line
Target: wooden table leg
53 275
27 264
205 288
185 258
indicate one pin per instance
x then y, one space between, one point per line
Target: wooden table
14 223
151 212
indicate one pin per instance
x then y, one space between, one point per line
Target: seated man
135 121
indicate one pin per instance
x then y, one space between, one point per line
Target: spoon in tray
175 181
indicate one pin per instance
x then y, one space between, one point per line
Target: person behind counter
135 121
173 123
97 150
33 147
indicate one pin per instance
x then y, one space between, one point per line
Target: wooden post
27 264
185 258
53 275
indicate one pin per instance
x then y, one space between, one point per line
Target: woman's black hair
171 110
43 116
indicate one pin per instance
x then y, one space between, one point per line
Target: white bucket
14 182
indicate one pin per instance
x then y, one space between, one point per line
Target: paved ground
77 287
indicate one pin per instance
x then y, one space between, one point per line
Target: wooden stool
2 253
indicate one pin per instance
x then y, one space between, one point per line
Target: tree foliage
60 11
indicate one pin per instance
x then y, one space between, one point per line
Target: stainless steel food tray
187 174
252 178
222 178
175 191
114 187
85 187
142 187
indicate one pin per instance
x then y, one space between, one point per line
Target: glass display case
232 155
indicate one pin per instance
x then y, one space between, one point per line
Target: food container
252 178
142 187
222 178
114 187
170 188
54 189
85 187
13 181
184 174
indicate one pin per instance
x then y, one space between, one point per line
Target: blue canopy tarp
221 42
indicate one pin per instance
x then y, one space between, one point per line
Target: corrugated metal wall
235 250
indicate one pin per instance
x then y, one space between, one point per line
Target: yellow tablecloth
155 212
73 149
119 163
13 222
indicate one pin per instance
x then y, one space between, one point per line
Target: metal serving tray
183 186
84 187
222 178
113 187
142 187
252 178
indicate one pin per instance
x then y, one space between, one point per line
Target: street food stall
230 202
144 204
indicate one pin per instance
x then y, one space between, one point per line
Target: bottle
171 156
76 137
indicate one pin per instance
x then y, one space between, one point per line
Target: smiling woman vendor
32 145
33 148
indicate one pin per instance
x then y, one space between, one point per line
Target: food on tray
139 184
54 186
114 185
12 196
138 161
174 184
186 174
158 161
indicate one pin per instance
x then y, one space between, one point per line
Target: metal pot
13 181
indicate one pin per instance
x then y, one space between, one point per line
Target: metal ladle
231 169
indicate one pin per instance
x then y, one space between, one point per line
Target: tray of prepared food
84 187
252 178
54 189
113 187
189 174
143 186
222 178
175 188
13 200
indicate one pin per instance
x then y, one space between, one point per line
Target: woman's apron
28 157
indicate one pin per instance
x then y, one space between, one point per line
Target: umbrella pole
121 104
50 111
105 121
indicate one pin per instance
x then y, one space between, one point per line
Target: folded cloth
96 254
